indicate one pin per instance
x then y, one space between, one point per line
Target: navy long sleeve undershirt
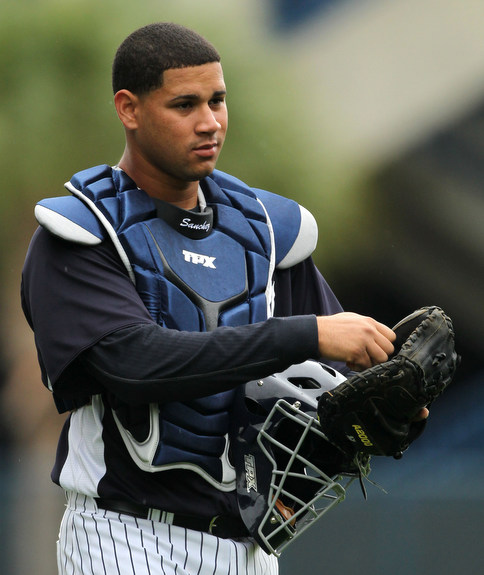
147 363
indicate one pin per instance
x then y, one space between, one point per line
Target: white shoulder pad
64 227
305 242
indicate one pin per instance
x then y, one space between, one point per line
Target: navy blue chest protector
193 273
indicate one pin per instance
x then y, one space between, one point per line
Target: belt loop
167 517
154 514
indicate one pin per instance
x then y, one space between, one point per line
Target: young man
154 290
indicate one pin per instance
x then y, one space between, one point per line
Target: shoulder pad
295 229
69 218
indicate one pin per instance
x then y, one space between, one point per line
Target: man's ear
126 103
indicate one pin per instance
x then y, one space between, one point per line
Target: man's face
181 126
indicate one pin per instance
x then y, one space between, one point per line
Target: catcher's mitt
373 412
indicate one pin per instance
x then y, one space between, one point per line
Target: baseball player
155 288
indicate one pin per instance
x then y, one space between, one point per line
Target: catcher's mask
287 471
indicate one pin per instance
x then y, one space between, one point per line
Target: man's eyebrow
195 97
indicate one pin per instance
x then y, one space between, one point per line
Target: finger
422 414
378 351
385 344
387 332
362 362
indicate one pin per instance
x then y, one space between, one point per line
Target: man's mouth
206 150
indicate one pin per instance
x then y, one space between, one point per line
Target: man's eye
184 105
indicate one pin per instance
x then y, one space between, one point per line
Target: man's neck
181 194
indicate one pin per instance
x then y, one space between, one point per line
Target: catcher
299 433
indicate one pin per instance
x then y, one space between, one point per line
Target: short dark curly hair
145 54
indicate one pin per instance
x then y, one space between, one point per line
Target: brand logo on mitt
362 435
250 475
206 261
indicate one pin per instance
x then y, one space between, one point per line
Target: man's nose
208 121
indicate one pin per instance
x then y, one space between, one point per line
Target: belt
222 526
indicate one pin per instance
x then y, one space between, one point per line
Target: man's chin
201 173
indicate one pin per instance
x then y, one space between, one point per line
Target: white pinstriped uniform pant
100 542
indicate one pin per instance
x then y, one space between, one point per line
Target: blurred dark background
370 114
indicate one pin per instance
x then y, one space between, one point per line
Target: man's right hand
358 340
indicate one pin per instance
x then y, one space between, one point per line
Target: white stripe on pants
100 542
